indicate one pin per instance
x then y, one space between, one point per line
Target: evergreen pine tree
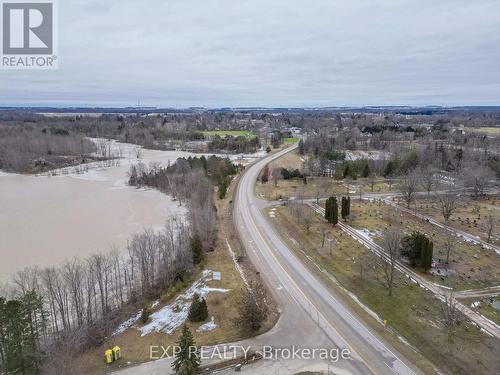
347 171
348 207
332 210
21 321
146 312
198 311
328 209
187 361
389 169
427 250
335 211
366 170
223 188
419 250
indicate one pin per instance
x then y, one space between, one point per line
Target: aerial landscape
255 187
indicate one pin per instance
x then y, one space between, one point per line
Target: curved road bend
312 315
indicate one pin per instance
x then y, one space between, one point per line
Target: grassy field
485 130
470 215
318 187
473 266
225 133
484 307
291 140
412 312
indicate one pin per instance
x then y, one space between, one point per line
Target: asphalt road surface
311 315
303 298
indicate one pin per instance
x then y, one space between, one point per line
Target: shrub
146 312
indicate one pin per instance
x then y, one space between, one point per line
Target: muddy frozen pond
45 220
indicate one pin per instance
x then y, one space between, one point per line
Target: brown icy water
45 220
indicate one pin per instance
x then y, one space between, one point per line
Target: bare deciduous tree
426 178
365 264
450 314
252 308
387 264
323 230
490 226
477 178
307 217
449 245
408 187
448 203
322 186
372 180
138 152
276 175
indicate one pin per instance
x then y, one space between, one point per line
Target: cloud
280 53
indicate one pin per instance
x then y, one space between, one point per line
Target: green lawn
291 140
225 133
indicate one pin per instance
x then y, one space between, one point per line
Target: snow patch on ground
404 341
237 265
246 159
130 322
369 155
209 326
485 331
172 316
368 234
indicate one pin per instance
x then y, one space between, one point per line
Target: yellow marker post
108 356
117 353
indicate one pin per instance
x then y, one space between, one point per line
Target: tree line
29 149
239 144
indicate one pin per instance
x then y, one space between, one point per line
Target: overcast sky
180 53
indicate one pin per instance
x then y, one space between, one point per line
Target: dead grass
412 312
484 307
470 215
474 267
321 187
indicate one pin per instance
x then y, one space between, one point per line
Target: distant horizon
223 107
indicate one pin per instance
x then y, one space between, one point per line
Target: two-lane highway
295 287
